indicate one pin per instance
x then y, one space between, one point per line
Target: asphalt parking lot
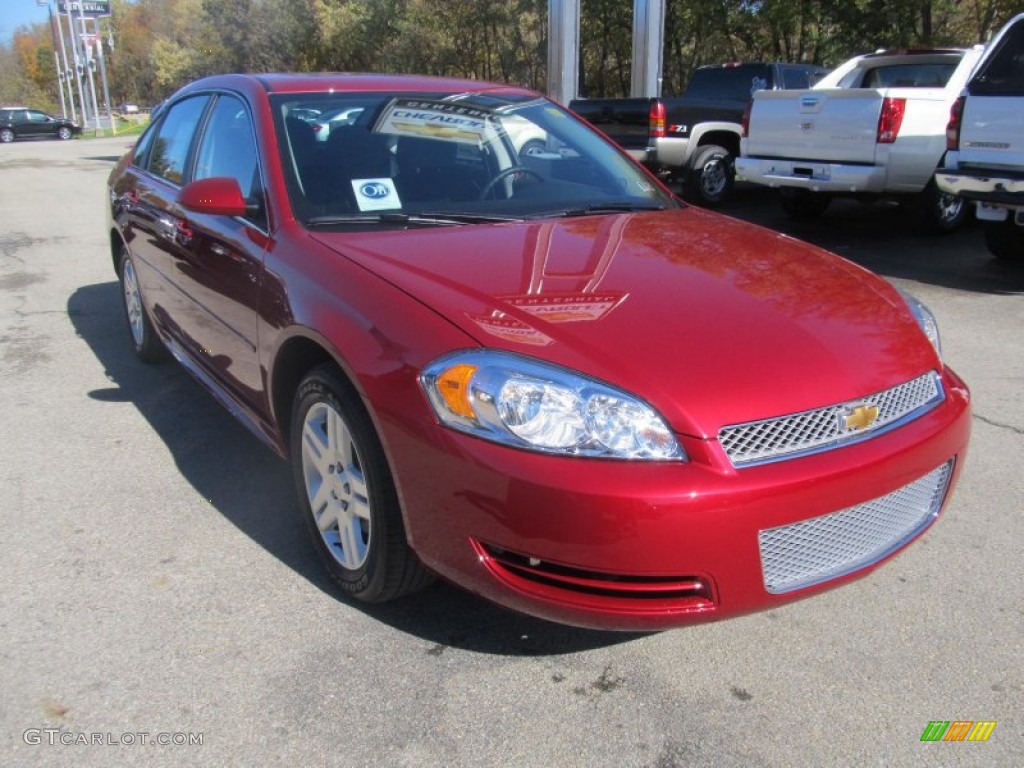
157 586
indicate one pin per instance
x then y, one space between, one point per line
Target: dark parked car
534 373
22 123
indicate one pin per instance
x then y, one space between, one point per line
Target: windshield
386 159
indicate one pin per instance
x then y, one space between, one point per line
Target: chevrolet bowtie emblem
858 417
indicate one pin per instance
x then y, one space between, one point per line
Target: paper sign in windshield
447 121
376 194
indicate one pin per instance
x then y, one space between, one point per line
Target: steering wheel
510 171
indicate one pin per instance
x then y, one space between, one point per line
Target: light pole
57 33
78 64
87 63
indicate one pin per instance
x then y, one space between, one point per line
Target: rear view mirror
218 196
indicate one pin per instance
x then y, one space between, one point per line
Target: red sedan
536 374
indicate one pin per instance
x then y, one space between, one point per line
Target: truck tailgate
624 121
990 132
836 125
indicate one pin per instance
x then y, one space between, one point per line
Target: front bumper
649 546
814 176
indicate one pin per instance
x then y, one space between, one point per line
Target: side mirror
218 196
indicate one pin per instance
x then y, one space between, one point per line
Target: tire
347 498
711 176
803 205
64 133
532 147
939 212
6 136
145 343
1005 240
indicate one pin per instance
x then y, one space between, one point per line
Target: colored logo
958 730
858 417
374 190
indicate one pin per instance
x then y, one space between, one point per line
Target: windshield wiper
470 218
598 209
378 218
410 219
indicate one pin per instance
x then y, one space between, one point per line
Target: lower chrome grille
809 431
822 548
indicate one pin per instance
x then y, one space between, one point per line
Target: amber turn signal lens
453 386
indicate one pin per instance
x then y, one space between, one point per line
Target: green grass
122 129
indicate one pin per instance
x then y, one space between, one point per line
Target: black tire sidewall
1005 240
324 385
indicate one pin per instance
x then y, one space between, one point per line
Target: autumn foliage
158 45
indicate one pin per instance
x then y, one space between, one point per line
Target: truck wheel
711 175
1005 240
801 204
939 212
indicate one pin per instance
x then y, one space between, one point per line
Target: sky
15 13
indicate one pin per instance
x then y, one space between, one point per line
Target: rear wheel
148 347
939 212
1005 240
347 498
64 133
711 175
801 204
6 135
532 147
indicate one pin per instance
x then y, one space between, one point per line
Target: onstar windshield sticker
376 194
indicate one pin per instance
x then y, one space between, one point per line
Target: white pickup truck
872 128
985 139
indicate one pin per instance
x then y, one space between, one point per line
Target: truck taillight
656 119
745 123
956 116
890 120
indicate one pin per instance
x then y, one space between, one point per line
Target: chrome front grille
822 548
810 431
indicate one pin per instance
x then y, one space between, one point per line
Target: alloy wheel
133 304
336 486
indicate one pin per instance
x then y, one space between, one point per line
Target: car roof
325 82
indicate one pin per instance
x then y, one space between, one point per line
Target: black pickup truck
694 138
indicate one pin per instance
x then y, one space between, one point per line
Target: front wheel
1005 240
711 175
64 133
347 498
6 135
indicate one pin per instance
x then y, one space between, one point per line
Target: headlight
925 319
538 406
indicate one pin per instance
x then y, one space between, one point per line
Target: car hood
710 320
